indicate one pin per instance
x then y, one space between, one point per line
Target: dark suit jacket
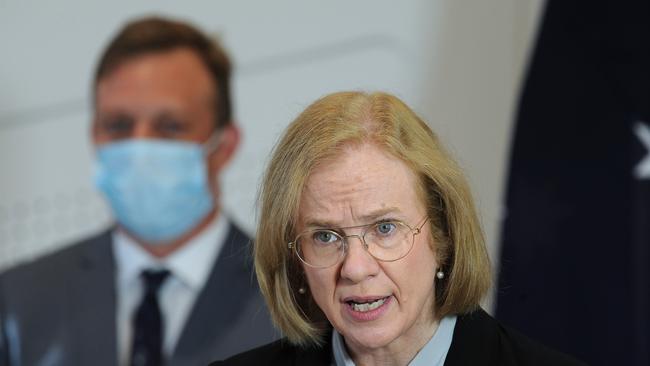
60 310
478 340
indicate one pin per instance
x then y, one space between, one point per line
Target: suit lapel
91 299
213 313
316 356
475 340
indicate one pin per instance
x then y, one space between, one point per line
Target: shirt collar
191 264
434 351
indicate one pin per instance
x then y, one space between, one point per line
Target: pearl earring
302 290
440 275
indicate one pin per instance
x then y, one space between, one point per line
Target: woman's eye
325 237
385 228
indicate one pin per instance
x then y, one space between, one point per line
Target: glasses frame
362 237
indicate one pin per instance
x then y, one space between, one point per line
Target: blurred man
171 283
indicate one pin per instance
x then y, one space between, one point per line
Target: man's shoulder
55 302
57 264
236 239
237 249
237 232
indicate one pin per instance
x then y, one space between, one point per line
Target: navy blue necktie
148 322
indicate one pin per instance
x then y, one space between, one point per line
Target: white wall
456 62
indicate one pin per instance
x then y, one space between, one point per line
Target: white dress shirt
433 353
189 269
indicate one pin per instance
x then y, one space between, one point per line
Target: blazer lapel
475 341
316 356
213 311
91 298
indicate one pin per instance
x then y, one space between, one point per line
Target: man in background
171 283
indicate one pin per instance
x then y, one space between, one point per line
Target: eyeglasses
387 241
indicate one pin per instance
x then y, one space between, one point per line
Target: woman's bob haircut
321 133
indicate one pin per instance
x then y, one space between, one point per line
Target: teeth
364 307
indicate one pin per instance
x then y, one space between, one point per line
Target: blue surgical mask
158 189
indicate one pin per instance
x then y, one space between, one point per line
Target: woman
369 249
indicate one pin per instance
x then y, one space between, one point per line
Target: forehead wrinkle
325 204
356 189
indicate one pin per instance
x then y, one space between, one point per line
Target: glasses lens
389 241
319 248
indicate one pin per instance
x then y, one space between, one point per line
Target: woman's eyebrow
382 212
365 219
318 223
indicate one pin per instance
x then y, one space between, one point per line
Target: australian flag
575 259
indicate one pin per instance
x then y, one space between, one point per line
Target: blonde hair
320 133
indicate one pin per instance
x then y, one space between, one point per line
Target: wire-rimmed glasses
385 240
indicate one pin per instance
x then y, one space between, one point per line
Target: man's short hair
155 34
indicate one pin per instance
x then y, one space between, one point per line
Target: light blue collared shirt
433 353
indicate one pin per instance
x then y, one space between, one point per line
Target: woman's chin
364 340
369 328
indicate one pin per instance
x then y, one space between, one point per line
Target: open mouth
363 307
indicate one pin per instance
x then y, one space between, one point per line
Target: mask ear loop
211 144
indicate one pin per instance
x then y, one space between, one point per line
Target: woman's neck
399 352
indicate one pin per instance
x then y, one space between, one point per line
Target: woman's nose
358 264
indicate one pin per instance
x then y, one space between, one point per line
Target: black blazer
478 340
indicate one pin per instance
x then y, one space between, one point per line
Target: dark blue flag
575 260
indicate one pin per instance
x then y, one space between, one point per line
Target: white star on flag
642 169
